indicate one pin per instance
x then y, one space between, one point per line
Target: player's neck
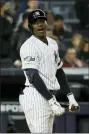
43 39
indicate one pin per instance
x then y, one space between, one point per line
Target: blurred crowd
73 45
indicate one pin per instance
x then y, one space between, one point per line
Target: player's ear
46 23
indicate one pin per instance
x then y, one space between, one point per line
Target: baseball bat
66 106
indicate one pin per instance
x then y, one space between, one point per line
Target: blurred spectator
77 41
31 5
5 37
59 27
5 11
81 46
50 19
62 34
19 38
71 59
49 33
84 51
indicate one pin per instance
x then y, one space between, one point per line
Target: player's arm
61 77
36 80
63 81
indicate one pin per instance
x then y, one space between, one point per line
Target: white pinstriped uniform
45 58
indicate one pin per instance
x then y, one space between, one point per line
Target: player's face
39 28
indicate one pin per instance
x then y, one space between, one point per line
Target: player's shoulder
51 39
27 46
29 42
52 42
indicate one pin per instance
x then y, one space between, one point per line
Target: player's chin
42 34
42 31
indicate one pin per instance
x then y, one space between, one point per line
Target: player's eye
39 21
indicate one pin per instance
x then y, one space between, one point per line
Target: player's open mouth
41 30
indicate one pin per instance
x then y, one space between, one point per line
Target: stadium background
75 15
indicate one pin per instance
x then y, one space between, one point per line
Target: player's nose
40 25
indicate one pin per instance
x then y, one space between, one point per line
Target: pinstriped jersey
45 58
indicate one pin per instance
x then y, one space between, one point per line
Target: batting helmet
36 14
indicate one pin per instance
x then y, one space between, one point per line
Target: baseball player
44 75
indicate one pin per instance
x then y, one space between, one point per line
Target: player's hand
74 108
73 105
56 107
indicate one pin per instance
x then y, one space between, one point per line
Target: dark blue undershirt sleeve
63 81
36 80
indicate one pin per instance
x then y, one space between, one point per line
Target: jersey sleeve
59 62
30 56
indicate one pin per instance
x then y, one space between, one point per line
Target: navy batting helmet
36 14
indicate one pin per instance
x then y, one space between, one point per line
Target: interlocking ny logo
36 14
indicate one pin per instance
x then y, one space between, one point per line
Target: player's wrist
56 107
71 97
52 100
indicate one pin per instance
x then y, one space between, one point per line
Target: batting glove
73 105
56 107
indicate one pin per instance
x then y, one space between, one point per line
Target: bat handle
65 105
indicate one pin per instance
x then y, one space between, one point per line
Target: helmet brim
39 17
